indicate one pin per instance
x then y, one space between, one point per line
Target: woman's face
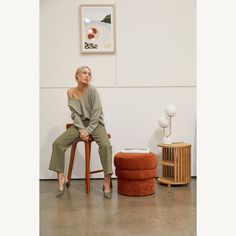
84 76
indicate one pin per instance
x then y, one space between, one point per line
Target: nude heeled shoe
107 194
60 192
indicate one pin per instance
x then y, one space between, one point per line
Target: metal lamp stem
167 135
169 128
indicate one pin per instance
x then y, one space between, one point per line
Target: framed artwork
97 28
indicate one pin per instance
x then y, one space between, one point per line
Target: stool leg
72 157
87 168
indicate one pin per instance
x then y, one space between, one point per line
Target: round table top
174 145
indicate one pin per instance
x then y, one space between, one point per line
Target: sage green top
87 106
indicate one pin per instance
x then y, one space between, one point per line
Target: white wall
135 84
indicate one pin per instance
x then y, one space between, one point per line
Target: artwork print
97 28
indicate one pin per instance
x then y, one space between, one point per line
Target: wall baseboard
192 177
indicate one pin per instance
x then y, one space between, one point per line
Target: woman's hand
84 134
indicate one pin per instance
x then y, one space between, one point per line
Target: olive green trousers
66 139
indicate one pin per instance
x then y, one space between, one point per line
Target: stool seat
136 173
87 159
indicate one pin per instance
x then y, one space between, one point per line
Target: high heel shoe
60 192
107 194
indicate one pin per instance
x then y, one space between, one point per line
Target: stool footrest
95 171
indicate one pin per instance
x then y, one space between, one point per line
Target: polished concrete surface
171 211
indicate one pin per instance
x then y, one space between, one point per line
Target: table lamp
165 121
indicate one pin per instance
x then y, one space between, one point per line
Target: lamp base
167 140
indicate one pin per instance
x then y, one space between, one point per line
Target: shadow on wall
155 139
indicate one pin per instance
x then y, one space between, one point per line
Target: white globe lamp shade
170 110
163 122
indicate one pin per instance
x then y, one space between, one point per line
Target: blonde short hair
80 70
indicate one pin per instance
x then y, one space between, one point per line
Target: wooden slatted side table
176 163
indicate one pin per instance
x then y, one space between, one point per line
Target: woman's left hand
84 134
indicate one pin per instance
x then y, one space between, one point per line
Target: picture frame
97 28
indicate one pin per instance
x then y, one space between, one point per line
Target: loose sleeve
76 119
96 111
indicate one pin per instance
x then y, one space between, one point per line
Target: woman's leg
59 147
105 152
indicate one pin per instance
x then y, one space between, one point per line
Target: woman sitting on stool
86 112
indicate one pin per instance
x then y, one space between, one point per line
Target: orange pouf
136 173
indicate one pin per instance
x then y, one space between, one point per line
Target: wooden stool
87 160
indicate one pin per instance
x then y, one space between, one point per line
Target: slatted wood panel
176 163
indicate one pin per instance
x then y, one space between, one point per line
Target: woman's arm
76 120
79 124
96 111
74 116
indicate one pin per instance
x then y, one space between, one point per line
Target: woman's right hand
84 135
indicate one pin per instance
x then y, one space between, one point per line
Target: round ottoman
136 173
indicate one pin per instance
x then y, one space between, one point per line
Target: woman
87 115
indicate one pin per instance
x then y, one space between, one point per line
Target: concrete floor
171 211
